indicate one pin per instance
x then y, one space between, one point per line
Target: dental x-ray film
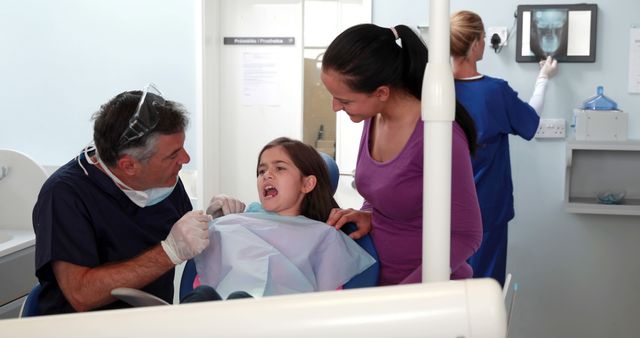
564 32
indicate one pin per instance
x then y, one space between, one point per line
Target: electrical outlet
502 33
551 128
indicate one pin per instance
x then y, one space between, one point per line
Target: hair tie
395 33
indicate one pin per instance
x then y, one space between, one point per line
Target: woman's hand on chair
339 217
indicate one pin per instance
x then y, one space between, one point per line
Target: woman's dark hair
369 57
316 204
112 119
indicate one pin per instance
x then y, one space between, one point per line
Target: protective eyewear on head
146 116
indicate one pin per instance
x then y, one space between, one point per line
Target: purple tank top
393 193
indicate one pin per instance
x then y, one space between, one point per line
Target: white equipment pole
438 112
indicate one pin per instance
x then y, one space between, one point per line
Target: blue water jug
599 102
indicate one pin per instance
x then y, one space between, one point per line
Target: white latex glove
221 205
188 237
548 68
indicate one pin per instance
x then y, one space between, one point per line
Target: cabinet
596 166
18 277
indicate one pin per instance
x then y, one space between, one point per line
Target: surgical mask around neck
157 195
142 199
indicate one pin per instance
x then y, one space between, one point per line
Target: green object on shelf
609 197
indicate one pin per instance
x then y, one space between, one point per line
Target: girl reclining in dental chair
282 245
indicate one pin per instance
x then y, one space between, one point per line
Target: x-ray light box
565 32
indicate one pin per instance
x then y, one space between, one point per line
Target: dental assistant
497 112
118 215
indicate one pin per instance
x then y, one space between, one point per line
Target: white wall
243 124
578 274
260 88
62 59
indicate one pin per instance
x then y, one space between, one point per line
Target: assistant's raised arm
548 68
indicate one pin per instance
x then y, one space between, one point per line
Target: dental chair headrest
334 173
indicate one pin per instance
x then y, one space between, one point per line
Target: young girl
282 245
293 180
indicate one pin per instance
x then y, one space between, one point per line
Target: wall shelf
596 166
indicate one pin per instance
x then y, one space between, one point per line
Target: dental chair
367 278
30 305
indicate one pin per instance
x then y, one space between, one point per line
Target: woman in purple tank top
375 75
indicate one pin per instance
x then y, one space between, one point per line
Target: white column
438 111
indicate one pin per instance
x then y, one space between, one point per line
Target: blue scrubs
86 220
497 112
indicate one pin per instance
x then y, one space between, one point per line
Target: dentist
118 214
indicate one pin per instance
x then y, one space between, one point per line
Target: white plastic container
601 125
599 119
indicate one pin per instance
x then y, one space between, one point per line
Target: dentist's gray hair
112 119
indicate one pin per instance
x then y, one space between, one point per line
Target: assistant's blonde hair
466 27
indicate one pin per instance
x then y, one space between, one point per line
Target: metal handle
351 174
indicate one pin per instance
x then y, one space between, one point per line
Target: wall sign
259 40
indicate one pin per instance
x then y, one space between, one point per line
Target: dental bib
267 254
